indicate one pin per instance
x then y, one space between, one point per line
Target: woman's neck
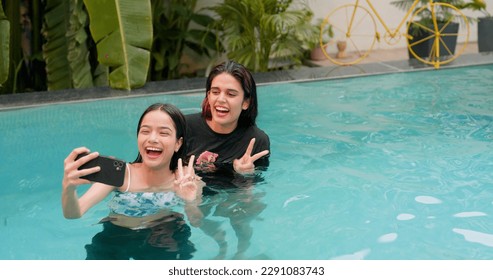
154 178
221 129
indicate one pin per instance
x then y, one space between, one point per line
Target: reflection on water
166 239
233 198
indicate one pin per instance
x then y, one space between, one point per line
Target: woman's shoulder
195 121
194 117
262 141
258 133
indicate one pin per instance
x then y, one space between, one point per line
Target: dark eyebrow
166 128
161 127
228 89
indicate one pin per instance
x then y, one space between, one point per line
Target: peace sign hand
187 184
244 165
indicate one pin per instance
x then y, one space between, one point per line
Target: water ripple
470 214
387 238
476 236
360 255
405 217
294 198
427 199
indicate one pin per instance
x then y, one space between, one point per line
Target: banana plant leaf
65 51
122 30
54 48
4 46
78 53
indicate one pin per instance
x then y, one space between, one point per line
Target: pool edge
194 85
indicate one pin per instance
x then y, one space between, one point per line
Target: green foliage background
126 43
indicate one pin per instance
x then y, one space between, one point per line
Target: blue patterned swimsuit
140 204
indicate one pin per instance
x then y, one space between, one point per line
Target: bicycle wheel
354 34
436 43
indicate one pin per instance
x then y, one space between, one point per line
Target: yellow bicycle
352 41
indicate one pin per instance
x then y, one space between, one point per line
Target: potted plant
485 33
485 25
315 44
424 20
264 35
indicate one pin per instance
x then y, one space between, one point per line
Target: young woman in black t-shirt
228 148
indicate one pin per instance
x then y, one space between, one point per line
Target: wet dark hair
245 78
180 126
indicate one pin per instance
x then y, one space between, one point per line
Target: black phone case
112 170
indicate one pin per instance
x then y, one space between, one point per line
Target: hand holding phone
112 170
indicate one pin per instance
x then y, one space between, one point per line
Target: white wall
390 14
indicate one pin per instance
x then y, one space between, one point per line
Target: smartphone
112 170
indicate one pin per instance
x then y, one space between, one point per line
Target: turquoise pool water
396 166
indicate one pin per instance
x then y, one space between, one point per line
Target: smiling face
226 102
156 139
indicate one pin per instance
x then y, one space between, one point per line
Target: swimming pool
377 167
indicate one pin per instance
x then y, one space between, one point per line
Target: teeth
222 109
154 149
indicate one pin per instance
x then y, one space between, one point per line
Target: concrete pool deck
379 62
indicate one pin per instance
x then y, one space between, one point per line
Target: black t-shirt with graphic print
222 149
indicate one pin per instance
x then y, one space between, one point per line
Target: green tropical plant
4 46
65 50
61 49
26 66
178 27
122 30
14 55
325 33
265 34
78 49
425 18
476 5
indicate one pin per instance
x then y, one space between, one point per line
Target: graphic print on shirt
205 162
